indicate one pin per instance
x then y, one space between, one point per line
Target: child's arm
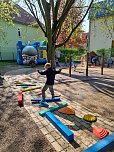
57 72
42 72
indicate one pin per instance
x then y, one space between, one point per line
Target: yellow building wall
101 33
8 45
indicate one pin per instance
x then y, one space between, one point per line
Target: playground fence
7 53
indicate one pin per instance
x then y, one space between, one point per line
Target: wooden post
102 63
87 58
70 66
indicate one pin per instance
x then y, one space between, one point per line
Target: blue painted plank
64 130
102 145
35 101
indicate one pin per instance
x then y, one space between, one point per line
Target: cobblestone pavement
83 136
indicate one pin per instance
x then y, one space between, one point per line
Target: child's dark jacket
50 74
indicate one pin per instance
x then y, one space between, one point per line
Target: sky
85 23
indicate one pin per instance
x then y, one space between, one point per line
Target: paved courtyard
83 136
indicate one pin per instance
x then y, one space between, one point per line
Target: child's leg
51 90
43 91
74 67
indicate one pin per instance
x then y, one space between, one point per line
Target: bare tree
53 21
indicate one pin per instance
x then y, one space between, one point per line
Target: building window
19 32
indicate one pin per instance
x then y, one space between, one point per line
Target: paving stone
67 122
75 128
35 119
79 149
63 143
77 119
76 133
77 140
78 124
86 142
50 128
64 121
50 138
57 147
32 115
83 146
40 118
69 149
40 125
55 135
44 131
44 122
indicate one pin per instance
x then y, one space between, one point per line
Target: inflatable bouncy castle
31 54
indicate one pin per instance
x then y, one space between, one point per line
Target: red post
20 99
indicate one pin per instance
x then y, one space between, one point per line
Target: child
50 74
66 60
74 65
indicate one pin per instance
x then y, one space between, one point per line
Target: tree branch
29 5
53 10
59 45
67 8
41 9
55 13
57 8
46 7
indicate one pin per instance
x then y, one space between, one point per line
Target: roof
101 9
23 16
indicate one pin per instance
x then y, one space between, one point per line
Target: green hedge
75 53
107 53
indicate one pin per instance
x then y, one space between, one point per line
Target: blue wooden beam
64 130
102 145
35 101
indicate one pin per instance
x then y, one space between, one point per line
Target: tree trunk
51 54
87 58
70 66
102 64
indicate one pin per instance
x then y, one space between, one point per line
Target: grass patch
6 63
11 63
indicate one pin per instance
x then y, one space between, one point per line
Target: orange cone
67 110
100 132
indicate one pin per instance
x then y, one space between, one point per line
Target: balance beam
25 85
35 101
64 130
102 145
20 98
43 112
32 88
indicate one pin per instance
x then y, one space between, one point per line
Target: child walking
50 74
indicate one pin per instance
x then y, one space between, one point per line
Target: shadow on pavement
101 84
1 81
